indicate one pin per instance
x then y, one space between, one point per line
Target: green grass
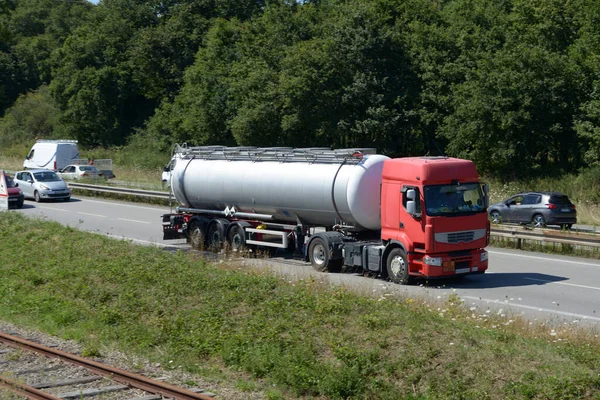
290 339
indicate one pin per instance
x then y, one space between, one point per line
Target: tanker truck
399 219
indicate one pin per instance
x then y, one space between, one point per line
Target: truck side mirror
411 205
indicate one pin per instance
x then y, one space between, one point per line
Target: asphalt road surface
550 288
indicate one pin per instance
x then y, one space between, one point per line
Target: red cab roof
430 170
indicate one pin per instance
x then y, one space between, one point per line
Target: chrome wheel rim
397 265
495 217
318 254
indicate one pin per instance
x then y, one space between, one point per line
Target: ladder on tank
279 154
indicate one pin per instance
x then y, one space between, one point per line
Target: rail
516 232
118 375
520 233
120 190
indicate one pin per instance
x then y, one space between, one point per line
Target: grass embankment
300 339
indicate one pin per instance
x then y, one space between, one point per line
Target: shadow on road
498 280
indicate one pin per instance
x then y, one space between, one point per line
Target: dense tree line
512 84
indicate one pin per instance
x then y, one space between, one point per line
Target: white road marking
563 283
158 208
134 220
568 314
92 215
544 258
54 209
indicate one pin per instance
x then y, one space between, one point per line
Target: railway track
40 372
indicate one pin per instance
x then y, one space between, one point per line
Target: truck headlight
435 261
483 256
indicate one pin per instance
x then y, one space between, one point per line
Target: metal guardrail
519 233
120 190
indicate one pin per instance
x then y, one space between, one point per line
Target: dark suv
538 208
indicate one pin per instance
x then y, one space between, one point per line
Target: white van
52 154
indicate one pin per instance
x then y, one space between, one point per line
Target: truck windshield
451 200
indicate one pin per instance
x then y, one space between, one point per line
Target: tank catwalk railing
279 154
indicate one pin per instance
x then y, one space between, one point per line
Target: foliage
34 115
512 85
305 338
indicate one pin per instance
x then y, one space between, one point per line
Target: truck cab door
410 214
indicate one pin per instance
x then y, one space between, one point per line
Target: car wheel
538 221
495 216
397 267
36 196
20 203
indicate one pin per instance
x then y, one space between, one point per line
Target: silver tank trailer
313 192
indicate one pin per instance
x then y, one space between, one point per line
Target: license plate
448 266
565 210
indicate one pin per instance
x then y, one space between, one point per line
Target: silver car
42 184
537 208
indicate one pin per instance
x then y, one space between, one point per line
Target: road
551 288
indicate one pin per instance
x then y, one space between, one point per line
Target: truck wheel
318 254
196 236
397 266
215 234
236 238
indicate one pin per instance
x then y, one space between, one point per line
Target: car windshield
450 200
46 176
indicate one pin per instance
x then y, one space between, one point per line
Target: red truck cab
435 210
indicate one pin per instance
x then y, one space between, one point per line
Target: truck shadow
499 280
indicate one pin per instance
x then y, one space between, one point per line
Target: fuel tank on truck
311 186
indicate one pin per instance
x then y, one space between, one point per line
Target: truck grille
457 237
460 236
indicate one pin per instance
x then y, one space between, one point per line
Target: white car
80 172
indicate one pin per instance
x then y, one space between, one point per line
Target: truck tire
236 238
397 266
215 234
196 235
318 255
